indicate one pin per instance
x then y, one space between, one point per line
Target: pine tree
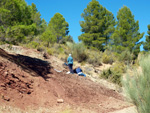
56 31
58 26
146 45
48 38
12 11
36 18
97 26
18 21
14 21
43 25
126 35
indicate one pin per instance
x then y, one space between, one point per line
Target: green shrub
41 48
58 49
126 56
33 44
1 42
107 57
106 73
138 86
63 57
114 73
50 51
94 57
78 51
61 50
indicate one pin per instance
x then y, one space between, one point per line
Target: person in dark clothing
78 70
70 63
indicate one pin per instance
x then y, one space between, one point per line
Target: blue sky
72 9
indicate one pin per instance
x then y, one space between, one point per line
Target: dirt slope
27 82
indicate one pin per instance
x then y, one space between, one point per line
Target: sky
72 10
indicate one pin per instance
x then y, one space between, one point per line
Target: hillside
29 82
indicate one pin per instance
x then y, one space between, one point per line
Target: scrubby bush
137 86
61 50
50 51
63 57
1 43
108 57
106 73
126 56
32 44
94 57
41 48
114 73
117 71
58 49
78 51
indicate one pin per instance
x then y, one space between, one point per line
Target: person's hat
69 54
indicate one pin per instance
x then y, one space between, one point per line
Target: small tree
58 26
48 38
126 34
146 45
78 51
98 25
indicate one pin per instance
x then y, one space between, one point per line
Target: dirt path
30 83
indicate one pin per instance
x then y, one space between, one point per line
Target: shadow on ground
34 66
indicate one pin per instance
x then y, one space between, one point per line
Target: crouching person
78 70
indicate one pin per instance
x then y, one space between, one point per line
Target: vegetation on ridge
104 39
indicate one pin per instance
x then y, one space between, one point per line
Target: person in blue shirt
78 70
70 63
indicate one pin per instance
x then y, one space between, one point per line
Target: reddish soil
32 82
